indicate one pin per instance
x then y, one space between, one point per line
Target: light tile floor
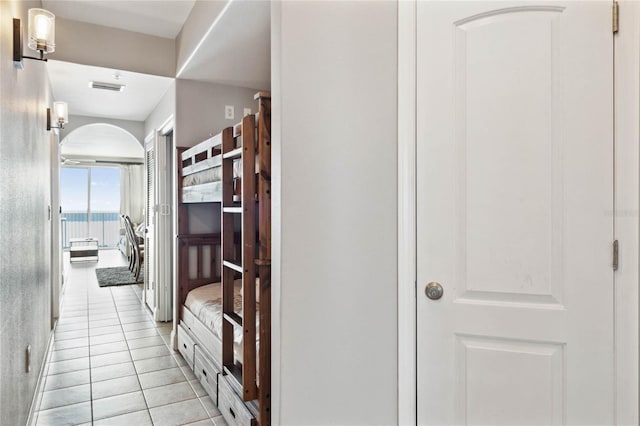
111 364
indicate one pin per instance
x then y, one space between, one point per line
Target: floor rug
117 276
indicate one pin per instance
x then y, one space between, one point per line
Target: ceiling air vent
106 86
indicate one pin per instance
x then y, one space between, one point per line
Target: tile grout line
126 341
89 350
49 362
72 319
90 296
180 367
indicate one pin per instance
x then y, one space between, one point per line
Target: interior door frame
57 268
163 228
407 220
627 206
164 225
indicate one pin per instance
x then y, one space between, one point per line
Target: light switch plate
247 111
228 112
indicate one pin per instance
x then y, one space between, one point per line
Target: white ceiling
70 83
163 18
237 50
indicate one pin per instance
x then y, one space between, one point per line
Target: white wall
334 87
102 139
195 27
25 230
162 112
136 128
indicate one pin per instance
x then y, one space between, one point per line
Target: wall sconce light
61 115
41 34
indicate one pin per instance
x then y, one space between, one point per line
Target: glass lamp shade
60 113
42 25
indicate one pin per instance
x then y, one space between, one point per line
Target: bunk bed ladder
263 260
246 376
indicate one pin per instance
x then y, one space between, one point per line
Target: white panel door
515 213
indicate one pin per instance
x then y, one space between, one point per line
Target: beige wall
90 44
199 115
200 109
334 80
25 266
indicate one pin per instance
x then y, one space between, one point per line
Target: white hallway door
515 213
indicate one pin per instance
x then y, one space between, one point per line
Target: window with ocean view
90 199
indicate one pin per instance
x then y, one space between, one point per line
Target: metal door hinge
615 255
615 17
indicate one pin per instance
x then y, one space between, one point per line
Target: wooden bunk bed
200 169
228 275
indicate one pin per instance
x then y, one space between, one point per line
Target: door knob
434 291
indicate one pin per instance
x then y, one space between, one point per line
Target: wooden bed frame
200 242
205 155
241 391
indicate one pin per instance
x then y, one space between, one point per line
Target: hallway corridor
110 363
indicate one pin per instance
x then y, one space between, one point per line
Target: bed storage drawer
207 373
186 345
208 340
187 319
231 406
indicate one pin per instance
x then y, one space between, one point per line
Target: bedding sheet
205 303
213 174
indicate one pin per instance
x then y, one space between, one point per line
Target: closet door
515 213
163 232
159 220
150 220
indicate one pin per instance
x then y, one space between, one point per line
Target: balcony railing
105 226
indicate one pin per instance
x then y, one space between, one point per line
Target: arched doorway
101 177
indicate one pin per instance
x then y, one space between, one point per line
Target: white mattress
205 303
